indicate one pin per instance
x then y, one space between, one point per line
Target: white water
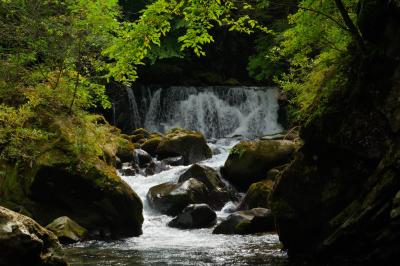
214 111
162 245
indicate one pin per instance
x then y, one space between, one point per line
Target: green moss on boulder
151 145
67 230
249 161
257 196
180 142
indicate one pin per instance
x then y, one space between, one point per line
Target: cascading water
133 108
162 245
215 111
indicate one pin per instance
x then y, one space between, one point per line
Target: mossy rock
92 195
219 194
125 152
171 198
137 137
141 131
249 161
252 221
151 145
24 242
67 230
257 196
180 142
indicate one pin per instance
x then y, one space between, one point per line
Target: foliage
51 69
315 46
192 20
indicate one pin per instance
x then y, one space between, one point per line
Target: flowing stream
218 112
162 245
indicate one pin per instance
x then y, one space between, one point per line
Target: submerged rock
171 199
67 230
191 145
252 221
249 161
25 242
195 216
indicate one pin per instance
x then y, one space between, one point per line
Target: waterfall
134 118
215 111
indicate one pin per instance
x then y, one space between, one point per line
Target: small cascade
215 111
134 118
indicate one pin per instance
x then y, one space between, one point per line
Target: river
162 245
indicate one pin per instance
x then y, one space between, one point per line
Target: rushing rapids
214 111
162 245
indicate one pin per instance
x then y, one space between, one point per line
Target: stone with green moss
151 145
73 175
180 142
67 230
249 161
252 221
141 131
257 195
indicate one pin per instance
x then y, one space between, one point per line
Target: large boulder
257 196
195 216
190 144
252 221
219 194
25 242
93 196
171 198
151 145
67 230
249 161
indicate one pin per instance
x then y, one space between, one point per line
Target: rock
141 131
218 192
93 196
130 171
136 138
191 145
171 199
252 221
126 153
142 157
151 145
257 196
195 216
155 168
249 161
173 161
24 242
66 230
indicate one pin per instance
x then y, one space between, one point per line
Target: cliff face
340 197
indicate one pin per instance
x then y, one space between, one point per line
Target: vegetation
57 56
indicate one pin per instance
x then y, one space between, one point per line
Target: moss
141 131
258 195
249 161
243 227
151 145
